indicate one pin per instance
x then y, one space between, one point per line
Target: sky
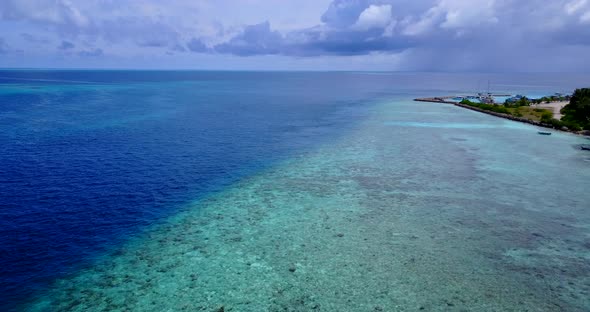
387 35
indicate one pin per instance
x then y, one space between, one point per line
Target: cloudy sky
408 35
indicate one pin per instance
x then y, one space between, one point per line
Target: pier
449 98
442 99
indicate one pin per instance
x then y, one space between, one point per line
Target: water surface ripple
151 191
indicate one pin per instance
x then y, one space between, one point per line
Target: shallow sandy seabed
394 217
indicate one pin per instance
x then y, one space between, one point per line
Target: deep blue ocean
91 159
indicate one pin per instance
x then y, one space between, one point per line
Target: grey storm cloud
342 13
66 45
254 40
350 27
68 20
443 34
60 14
7 49
143 31
33 38
3 46
178 48
354 27
91 53
260 39
197 46
438 34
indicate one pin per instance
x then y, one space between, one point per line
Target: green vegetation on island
516 109
520 100
523 101
577 112
488 107
545 99
576 115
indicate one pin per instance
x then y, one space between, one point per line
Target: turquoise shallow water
419 207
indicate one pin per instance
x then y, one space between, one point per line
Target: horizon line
274 70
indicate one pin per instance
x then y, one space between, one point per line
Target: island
558 111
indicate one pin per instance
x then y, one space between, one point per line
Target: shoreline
443 100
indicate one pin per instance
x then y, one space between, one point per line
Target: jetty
443 99
451 99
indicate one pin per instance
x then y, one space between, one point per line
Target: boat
585 147
544 133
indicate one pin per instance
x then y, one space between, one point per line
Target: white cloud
423 25
375 16
454 14
3 46
73 14
460 13
580 8
430 30
390 29
58 12
574 6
